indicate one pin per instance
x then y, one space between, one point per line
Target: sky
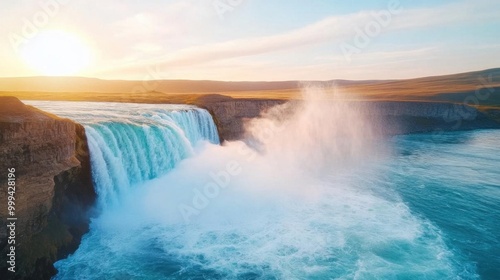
247 40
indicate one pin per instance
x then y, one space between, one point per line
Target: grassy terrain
480 89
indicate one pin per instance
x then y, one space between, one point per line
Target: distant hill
458 88
80 84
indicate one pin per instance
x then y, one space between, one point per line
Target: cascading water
133 143
313 196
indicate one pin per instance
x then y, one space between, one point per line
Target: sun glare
56 53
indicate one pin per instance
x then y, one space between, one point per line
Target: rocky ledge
53 188
394 117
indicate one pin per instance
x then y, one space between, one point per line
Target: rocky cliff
53 187
230 114
396 117
412 117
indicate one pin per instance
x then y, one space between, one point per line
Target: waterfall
314 201
133 143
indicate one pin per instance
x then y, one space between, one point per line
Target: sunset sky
247 39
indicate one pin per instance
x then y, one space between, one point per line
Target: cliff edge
395 117
53 188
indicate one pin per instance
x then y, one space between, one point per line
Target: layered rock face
230 114
394 117
53 187
411 117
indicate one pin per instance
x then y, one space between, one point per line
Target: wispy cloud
329 30
188 38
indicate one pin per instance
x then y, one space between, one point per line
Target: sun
56 53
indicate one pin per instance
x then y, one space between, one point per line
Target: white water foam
305 199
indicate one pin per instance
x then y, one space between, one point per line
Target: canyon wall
395 117
398 117
53 188
230 114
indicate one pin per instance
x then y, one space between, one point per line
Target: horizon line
244 81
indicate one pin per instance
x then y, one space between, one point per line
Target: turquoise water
453 180
321 199
132 143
